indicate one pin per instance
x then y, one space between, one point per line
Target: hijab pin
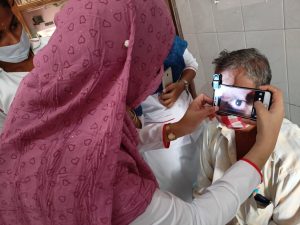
126 43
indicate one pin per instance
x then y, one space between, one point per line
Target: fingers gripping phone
239 101
167 77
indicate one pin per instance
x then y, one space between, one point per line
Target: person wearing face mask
16 56
68 150
276 199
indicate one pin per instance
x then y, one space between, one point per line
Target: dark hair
5 3
251 60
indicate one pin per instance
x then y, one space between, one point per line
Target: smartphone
239 101
167 77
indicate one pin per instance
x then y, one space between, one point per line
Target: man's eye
237 104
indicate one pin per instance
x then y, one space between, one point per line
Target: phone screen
239 101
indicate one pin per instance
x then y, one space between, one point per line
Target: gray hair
251 60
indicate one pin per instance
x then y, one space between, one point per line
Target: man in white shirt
277 196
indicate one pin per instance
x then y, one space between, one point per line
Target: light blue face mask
16 53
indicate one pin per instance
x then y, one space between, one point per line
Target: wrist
186 85
258 155
171 132
254 166
177 129
165 139
182 85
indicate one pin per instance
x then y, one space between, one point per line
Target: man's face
240 100
237 100
237 77
10 28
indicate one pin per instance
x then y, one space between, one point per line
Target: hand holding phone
268 127
167 77
199 109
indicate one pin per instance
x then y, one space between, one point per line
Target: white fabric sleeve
150 137
216 206
190 61
9 83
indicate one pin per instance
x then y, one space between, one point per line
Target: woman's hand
268 127
171 93
199 109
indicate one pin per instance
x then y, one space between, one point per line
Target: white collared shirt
281 174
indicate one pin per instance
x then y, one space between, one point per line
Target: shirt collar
229 135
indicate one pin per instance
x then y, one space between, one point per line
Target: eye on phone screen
240 101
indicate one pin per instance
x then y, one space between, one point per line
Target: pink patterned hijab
68 150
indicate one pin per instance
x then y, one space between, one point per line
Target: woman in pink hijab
68 152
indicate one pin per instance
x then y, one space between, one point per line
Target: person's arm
219 203
156 136
267 120
174 90
192 89
216 206
191 64
150 137
9 83
199 109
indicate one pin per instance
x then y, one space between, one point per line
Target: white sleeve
9 83
227 194
150 137
190 61
217 206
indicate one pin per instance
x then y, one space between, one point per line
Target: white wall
272 26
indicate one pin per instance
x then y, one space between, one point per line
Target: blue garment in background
174 60
138 110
